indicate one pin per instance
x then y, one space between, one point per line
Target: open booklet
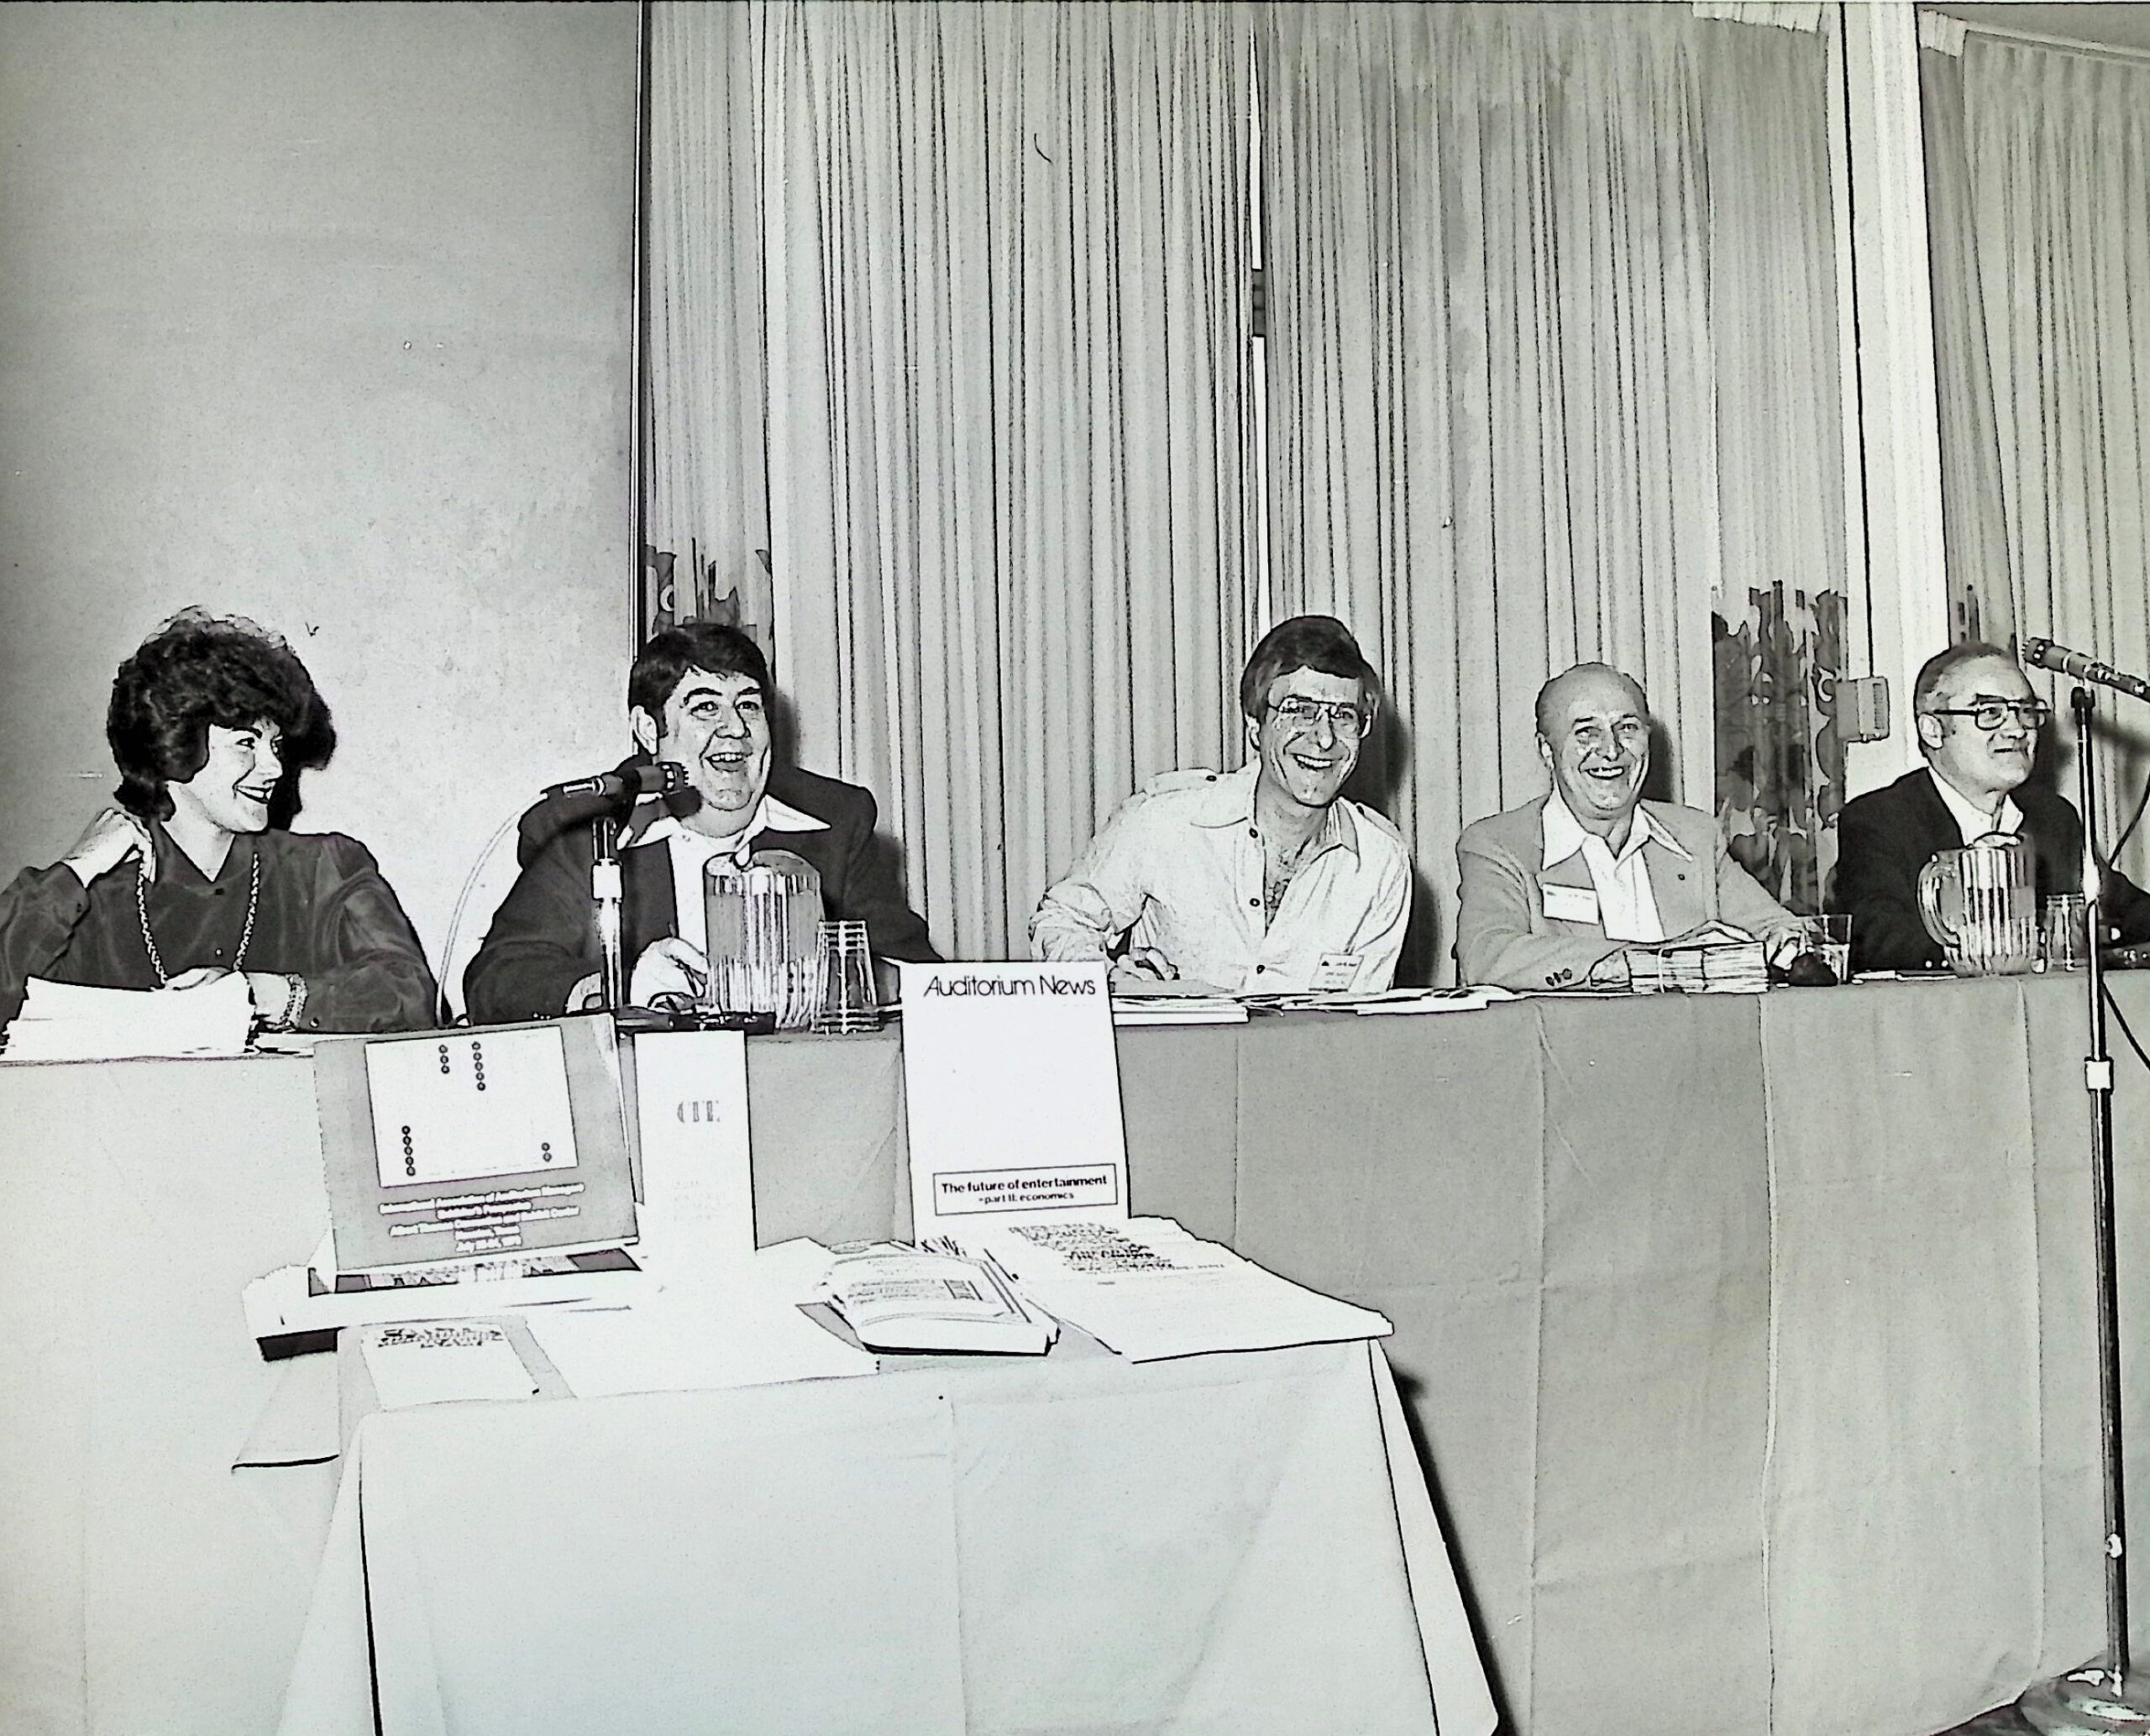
895 1298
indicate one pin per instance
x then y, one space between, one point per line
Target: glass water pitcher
1981 903
764 928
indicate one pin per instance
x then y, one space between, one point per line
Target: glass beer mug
764 937
1981 903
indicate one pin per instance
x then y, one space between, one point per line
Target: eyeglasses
1299 712
1991 713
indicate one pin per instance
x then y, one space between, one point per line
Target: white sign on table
1011 1097
462 1145
697 1164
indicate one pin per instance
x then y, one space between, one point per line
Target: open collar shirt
1970 822
1178 869
691 852
1627 906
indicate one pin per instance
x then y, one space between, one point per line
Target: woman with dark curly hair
185 881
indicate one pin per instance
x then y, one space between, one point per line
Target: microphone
2083 666
661 777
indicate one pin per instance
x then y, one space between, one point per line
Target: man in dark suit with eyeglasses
1978 721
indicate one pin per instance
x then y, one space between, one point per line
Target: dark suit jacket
1885 837
544 938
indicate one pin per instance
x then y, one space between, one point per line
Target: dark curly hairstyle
197 670
711 646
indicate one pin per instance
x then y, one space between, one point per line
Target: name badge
1569 903
1336 972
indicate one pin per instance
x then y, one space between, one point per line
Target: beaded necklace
246 934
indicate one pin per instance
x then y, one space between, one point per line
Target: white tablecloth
1233 1544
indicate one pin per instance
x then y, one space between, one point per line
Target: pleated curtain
707 495
1552 369
2041 221
1008 380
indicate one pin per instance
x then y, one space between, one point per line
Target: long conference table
1748 1341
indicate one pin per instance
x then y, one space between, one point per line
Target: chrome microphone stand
604 896
2105 1697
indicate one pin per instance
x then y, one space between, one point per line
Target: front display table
1235 1543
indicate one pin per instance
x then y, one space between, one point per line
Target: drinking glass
848 1001
1829 937
2065 931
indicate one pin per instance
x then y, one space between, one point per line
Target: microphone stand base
2084 1703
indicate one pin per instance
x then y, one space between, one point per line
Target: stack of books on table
1739 967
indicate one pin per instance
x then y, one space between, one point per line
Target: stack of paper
1386 1000
1740 967
66 1022
1172 1002
1147 1289
1182 1009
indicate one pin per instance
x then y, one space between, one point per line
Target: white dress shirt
1969 820
691 852
1180 865
1627 907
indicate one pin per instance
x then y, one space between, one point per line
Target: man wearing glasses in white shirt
1560 892
1263 880
1978 723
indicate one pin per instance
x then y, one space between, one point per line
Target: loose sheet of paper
1149 1290
468 1105
434 1361
744 1333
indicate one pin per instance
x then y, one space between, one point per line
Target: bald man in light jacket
1559 892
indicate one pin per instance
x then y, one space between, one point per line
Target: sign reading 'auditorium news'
1011 1096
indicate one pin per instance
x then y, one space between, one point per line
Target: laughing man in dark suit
1978 723
699 695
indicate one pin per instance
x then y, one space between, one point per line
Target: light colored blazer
1503 934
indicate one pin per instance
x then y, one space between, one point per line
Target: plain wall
320 314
